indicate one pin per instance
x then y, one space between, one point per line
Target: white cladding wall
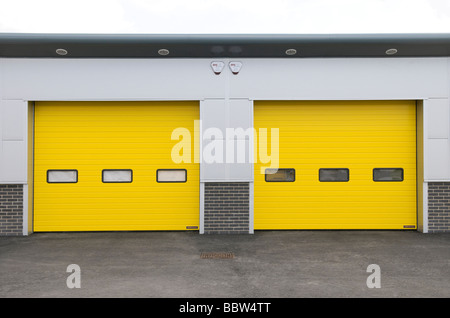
13 141
23 80
226 152
436 140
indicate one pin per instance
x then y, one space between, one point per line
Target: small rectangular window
117 175
62 176
171 175
334 175
388 174
280 175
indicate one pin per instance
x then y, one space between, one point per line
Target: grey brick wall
11 209
226 208
438 207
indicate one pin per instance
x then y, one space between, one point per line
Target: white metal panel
241 116
345 79
438 118
13 150
436 143
110 79
214 115
226 140
225 172
13 125
437 159
13 167
273 79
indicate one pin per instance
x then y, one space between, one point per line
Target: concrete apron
288 264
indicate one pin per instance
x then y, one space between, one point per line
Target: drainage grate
214 255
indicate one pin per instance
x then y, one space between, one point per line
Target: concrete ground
268 264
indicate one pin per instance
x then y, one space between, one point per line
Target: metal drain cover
215 255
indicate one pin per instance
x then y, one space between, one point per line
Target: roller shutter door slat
358 135
92 136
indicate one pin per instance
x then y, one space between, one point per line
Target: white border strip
250 212
25 210
425 208
202 208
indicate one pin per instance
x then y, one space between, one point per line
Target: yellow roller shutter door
127 140
356 135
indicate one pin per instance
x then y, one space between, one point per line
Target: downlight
61 51
291 52
163 52
391 51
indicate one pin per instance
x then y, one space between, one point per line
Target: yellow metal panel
92 136
358 135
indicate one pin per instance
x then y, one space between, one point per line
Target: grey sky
230 16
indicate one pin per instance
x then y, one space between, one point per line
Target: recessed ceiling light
163 52
391 51
61 52
291 52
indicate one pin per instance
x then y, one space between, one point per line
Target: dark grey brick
11 209
438 207
226 207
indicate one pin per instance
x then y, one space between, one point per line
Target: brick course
11 209
438 207
226 208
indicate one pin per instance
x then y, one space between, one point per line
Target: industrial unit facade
224 134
